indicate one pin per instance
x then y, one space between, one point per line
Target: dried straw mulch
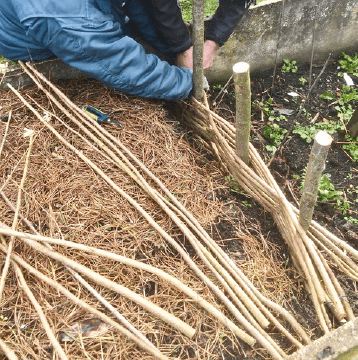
63 197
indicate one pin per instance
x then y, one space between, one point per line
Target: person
98 38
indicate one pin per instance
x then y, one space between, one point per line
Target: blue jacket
92 36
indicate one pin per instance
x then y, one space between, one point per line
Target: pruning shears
100 117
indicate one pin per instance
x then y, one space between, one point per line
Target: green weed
233 184
217 86
327 191
289 66
3 60
275 134
352 148
349 64
302 80
351 219
267 109
247 204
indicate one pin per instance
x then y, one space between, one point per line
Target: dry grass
63 197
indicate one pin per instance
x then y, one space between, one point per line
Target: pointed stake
316 165
241 72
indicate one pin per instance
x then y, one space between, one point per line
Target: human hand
185 58
210 49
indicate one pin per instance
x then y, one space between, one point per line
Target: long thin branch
15 220
84 305
133 263
81 280
302 255
5 134
120 289
9 353
127 197
39 311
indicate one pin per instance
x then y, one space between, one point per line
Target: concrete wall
286 28
340 344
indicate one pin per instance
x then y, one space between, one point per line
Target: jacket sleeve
102 51
225 19
168 20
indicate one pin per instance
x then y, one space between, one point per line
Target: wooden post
316 165
241 74
198 48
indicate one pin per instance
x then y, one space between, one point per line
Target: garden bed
64 197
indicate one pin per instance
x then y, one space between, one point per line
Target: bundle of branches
244 303
305 247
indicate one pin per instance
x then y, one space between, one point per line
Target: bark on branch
241 74
316 165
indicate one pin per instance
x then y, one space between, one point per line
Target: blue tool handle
101 117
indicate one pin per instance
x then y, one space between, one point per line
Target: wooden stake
241 72
259 183
198 49
316 165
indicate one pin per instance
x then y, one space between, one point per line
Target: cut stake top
241 67
323 138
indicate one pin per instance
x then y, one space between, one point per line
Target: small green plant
247 204
327 96
351 220
289 66
267 109
349 64
308 115
275 134
344 108
217 86
233 184
352 147
345 111
302 80
348 94
343 206
327 191
3 60
308 133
